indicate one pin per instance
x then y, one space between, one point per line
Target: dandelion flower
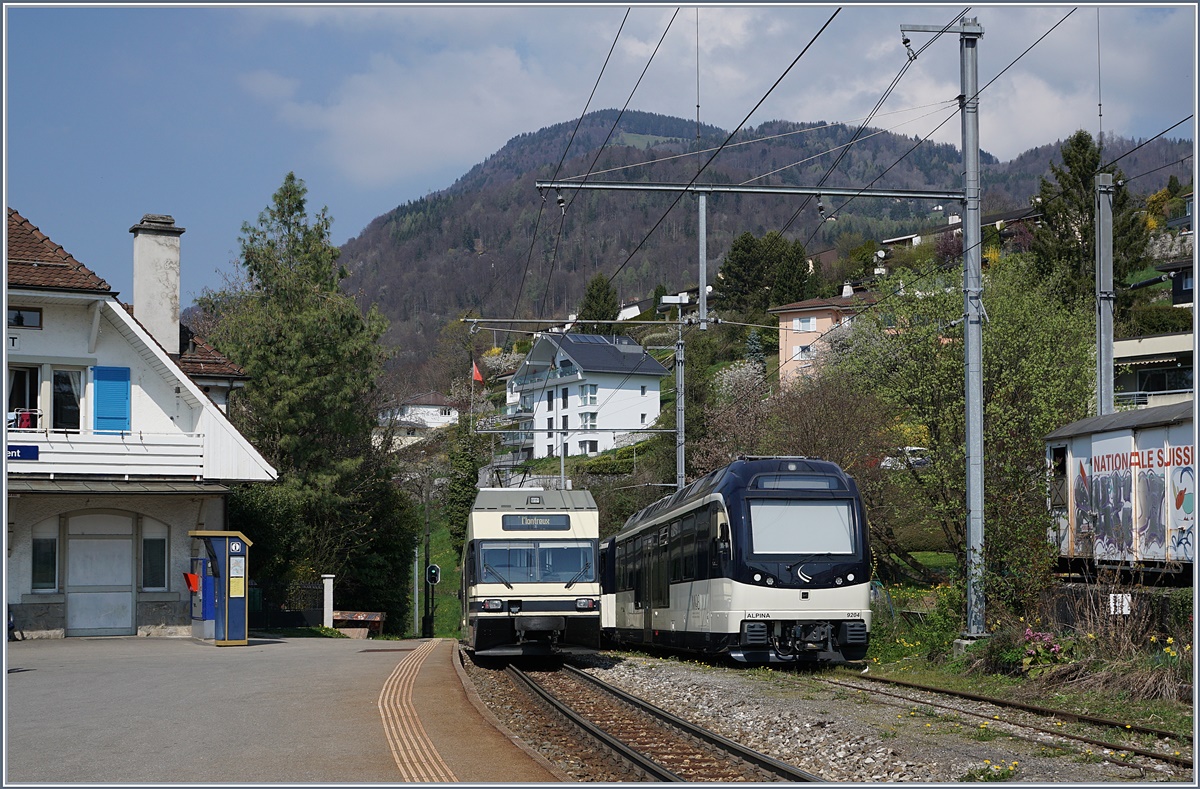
987 761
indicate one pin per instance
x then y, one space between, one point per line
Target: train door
657 556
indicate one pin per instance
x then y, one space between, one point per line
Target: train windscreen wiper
586 566
492 570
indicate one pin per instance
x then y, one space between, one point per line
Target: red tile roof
199 359
34 261
857 301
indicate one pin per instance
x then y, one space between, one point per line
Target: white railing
115 454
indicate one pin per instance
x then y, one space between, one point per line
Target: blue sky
115 112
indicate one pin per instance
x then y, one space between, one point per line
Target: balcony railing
39 451
1127 400
536 379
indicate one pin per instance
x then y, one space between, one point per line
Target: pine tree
1064 243
599 304
311 406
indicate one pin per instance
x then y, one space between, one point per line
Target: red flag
475 374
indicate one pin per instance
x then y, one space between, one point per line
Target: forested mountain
491 245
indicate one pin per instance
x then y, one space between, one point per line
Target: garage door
100 575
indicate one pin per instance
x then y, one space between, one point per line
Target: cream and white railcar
530 580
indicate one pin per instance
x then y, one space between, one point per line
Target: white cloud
268 86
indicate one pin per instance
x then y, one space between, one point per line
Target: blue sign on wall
22 452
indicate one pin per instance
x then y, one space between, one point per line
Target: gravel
842 735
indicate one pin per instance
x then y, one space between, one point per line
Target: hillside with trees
490 245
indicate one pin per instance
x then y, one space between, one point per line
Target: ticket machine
227 555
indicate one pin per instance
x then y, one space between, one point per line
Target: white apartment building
579 394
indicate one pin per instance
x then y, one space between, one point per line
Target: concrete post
327 619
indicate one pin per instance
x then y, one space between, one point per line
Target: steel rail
1180 761
651 768
1077 717
761 760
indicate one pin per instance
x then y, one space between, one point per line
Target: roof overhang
17 485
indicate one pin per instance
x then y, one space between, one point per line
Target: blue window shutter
112 398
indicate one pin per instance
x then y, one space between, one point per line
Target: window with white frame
643 419
802 352
588 447
549 427
45 557
23 386
154 557
804 324
643 390
587 394
587 420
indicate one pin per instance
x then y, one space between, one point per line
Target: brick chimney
156 278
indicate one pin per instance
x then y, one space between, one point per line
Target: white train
765 560
529 580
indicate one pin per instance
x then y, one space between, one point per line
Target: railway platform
156 711
447 733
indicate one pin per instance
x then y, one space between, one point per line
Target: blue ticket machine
200 582
228 556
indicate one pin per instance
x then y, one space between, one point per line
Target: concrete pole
703 234
680 474
427 620
1105 296
416 597
327 618
969 35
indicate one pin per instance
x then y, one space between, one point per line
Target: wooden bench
359 624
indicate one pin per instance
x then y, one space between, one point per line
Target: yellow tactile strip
416 758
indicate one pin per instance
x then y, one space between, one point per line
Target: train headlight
838 580
770 580
758 578
585 604
493 604
850 577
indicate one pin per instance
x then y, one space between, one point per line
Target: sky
200 112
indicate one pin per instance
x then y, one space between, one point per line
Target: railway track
657 743
1172 745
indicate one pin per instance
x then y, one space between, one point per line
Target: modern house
805 325
580 393
117 442
419 415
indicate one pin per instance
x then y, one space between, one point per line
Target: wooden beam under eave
94 334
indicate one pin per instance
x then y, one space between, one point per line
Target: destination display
533 522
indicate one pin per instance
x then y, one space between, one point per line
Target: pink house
805 325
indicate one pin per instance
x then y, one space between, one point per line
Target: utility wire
612 130
947 120
537 224
722 146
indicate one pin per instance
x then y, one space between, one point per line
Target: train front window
788 526
537 561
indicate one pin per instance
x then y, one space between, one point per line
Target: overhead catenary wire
563 158
600 150
947 120
919 276
723 144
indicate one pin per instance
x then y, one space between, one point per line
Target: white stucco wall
180 514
